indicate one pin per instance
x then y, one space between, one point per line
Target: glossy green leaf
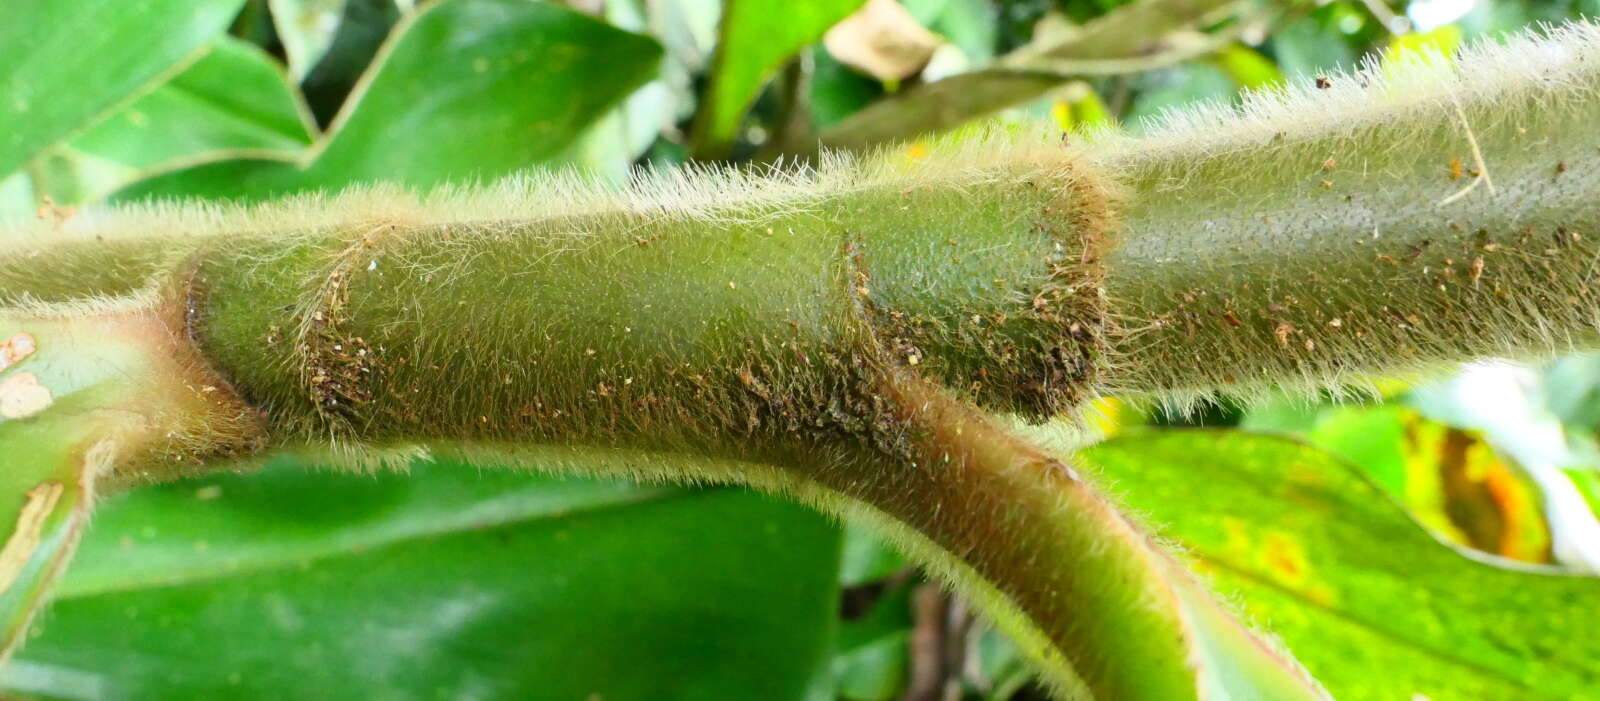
447 582
611 146
872 662
867 558
234 102
363 27
1247 67
1368 601
65 65
1307 48
755 37
1175 88
235 98
470 89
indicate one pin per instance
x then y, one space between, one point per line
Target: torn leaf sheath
93 395
120 373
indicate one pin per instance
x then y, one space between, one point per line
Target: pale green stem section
794 334
660 328
1325 243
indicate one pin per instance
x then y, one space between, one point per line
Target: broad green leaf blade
235 98
469 89
1247 67
616 140
1306 48
65 65
755 38
446 581
234 102
542 71
1375 607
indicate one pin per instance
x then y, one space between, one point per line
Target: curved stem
794 333
807 322
1043 552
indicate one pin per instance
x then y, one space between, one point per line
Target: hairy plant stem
1376 244
1043 552
840 341
796 341
654 329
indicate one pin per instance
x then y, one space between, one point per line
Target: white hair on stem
1541 59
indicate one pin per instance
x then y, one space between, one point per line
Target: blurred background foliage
455 583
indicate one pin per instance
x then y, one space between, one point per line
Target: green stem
1088 594
792 333
654 330
1345 233
805 324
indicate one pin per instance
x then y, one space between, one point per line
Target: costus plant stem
1392 221
847 334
